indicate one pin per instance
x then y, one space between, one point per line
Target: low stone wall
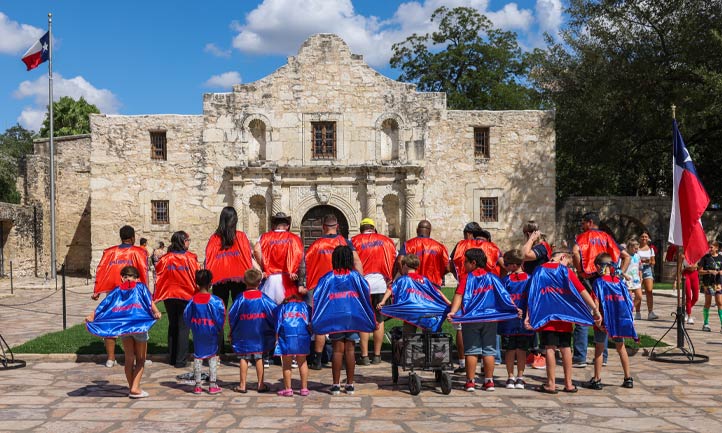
21 241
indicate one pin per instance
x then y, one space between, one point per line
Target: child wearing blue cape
615 305
128 312
342 308
293 334
482 301
515 338
205 315
253 324
417 302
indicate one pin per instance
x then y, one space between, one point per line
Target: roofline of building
61 138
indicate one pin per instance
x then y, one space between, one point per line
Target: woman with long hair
228 257
646 268
175 286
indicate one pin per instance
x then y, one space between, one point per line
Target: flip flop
571 391
143 394
238 388
266 388
545 390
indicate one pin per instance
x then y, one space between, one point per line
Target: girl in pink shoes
294 340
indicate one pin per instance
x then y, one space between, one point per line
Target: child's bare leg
471 361
460 344
551 366
302 370
349 348
286 365
624 358
243 365
259 372
637 300
598 351
567 366
129 350
520 362
140 349
110 348
509 360
488 362
336 360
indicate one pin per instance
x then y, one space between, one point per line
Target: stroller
426 351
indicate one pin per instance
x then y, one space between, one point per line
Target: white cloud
216 51
15 37
224 80
549 15
33 116
280 26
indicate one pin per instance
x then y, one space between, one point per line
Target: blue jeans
580 345
497 357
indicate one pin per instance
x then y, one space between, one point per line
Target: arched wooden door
312 225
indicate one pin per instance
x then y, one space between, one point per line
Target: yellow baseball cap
368 222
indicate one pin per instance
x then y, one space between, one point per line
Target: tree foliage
15 143
477 65
613 77
70 117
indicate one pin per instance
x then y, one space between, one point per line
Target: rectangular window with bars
323 140
489 209
158 145
160 211
481 142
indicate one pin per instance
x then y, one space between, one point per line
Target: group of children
547 302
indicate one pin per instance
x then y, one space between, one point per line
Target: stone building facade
323 133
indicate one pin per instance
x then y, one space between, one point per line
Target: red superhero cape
176 276
490 249
282 252
377 253
318 258
107 275
592 243
229 264
433 256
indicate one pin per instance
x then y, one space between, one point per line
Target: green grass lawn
79 341
662 286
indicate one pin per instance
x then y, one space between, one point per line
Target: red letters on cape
176 276
377 253
107 275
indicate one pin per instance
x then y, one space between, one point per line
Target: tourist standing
378 254
228 257
711 272
646 266
433 255
176 273
279 254
107 274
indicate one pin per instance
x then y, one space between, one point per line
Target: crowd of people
534 303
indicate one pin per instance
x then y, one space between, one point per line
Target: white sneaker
579 365
706 328
638 316
148 363
111 363
690 320
652 316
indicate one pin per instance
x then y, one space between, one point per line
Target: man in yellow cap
378 254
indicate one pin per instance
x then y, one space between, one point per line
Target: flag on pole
689 201
38 53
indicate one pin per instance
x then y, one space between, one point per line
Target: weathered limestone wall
124 180
19 229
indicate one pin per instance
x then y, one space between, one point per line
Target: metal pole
65 315
52 149
11 277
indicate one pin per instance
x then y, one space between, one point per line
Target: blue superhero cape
617 308
123 312
292 331
417 302
342 303
519 292
552 296
205 316
253 323
485 300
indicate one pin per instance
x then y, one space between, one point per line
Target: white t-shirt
645 254
377 283
633 272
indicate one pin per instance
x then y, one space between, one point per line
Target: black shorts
558 339
375 300
516 342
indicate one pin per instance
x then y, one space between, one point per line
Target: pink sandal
285 393
304 392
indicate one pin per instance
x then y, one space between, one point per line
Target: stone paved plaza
56 394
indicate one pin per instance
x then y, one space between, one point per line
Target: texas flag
689 201
38 53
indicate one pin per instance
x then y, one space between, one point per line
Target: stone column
240 203
370 205
276 195
410 207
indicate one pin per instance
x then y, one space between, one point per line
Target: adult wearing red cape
279 254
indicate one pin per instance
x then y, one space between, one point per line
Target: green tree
618 68
15 143
477 65
70 117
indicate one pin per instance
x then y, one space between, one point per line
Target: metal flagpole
53 271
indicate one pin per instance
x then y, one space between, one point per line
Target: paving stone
19 425
73 426
371 426
259 422
221 421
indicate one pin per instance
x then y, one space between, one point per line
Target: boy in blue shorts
515 338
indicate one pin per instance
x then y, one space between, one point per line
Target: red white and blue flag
689 201
38 53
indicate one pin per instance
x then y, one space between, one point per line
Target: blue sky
160 56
